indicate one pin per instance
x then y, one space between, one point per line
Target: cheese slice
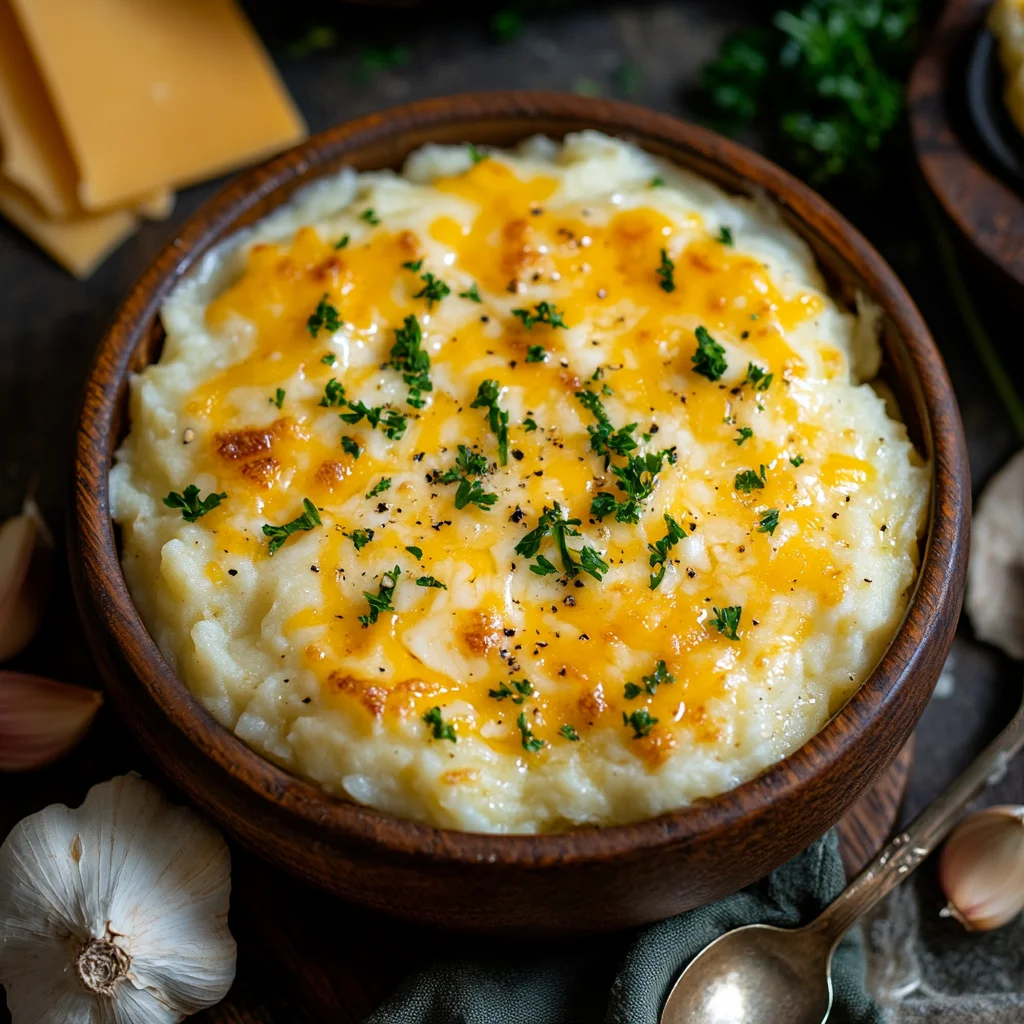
34 154
80 243
152 93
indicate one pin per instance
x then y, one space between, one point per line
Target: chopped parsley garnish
709 359
394 422
641 722
727 621
430 581
475 154
324 317
768 522
569 733
530 742
604 438
761 380
497 418
667 273
360 538
659 550
279 534
468 464
350 446
410 358
552 522
529 424
381 601
543 313
544 566
725 235
192 507
536 354
636 479
414 267
520 690
747 480
656 182
334 394
743 434
278 398
415 551
379 488
797 460
631 691
433 290
329 360
660 675
369 216
341 242
441 730
471 293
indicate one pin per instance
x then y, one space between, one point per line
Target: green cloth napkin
624 979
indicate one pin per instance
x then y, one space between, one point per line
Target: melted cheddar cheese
549 493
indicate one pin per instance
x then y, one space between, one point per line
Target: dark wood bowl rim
331 816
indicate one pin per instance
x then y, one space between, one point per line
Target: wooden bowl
590 879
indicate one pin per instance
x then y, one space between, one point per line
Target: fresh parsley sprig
471 492
553 522
517 689
761 379
667 273
543 313
381 601
769 522
497 418
324 318
641 721
433 290
659 550
309 519
530 742
439 728
636 480
709 359
748 480
410 358
192 506
604 438
727 621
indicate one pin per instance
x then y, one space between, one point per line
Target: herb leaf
471 293
416 552
636 479
360 538
279 534
530 742
369 216
761 380
727 621
433 290
743 434
709 359
441 730
410 358
641 722
747 480
334 394
430 581
660 675
192 507
278 398
381 601
604 438
569 733
725 235
379 487
659 550
769 522
324 317
543 313
341 242
667 273
351 447
497 418
797 460
536 354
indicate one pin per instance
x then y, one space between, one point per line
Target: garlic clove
981 868
41 719
26 549
114 911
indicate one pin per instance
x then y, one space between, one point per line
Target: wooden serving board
304 956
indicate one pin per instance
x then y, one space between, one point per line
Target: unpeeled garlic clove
981 868
41 719
26 549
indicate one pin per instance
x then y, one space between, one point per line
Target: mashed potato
519 491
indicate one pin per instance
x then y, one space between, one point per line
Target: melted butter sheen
813 450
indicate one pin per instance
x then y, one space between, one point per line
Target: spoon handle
906 851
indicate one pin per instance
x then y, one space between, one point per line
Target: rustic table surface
647 53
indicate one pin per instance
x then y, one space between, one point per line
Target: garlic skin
26 561
995 572
981 868
41 719
114 912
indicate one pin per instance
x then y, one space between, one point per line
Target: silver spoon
764 975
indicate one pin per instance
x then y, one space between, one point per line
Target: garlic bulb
115 912
41 719
981 868
26 549
995 573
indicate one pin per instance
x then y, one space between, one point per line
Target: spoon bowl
756 975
